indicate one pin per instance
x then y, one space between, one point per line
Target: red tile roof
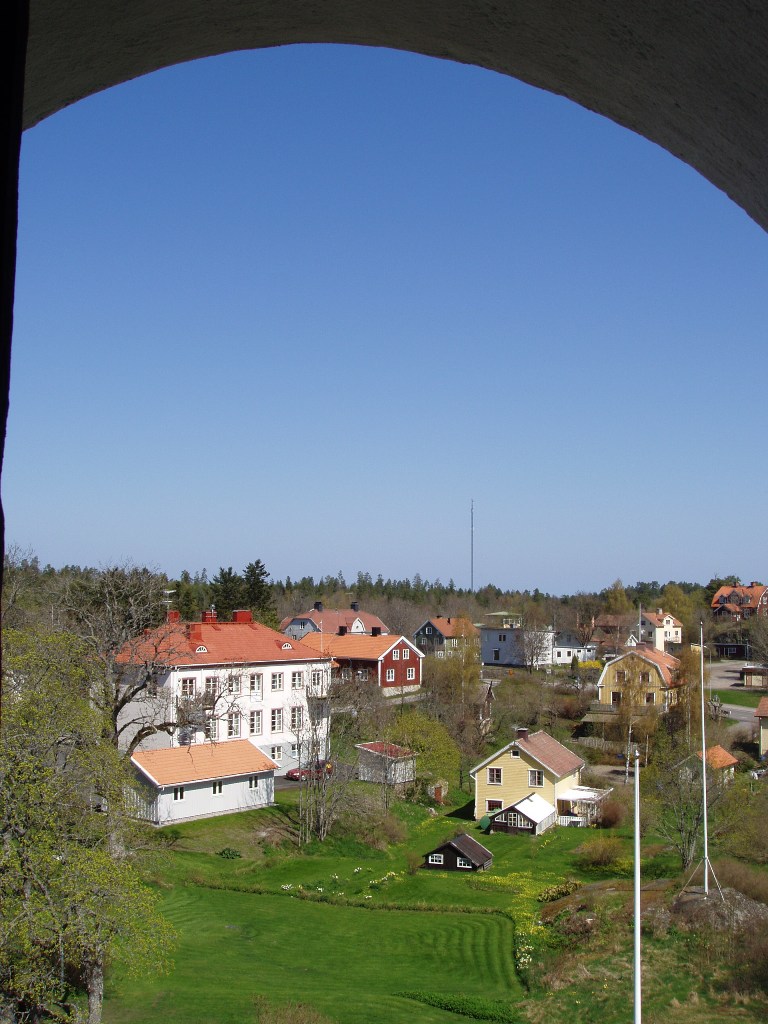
200 762
657 618
452 626
216 643
357 646
761 711
387 749
667 664
329 619
551 753
748 597
718 757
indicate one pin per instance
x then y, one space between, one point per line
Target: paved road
722 676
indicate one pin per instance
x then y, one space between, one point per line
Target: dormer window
287 647
201 650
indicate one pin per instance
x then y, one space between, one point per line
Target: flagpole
704 766
637 963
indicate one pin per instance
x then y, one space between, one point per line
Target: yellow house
532 783
642 676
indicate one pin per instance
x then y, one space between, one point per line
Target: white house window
277 680
218 785
211 686
518 821
494 776
233 684
233 724
515 753
493 805
276 720
255 684
406 654
436 858
429 630
253 782
411 673
188 687
178 792
395 655
390 675
297 719
211 728
317 678
462 862
254 723
535 778
362 675
650 697
276 753
297 680
295 751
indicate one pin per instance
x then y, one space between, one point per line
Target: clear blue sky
304 304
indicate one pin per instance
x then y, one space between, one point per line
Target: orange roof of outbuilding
761 711
199 762
718 757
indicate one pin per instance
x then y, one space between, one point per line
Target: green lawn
346 928
743 698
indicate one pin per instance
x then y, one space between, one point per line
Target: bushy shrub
229 854
600 852
557 891
477 1007
413 861
612 813
750 881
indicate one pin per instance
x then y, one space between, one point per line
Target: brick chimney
318 606
209 616
376 631
355 606
522 734
173 616
242 615
342 630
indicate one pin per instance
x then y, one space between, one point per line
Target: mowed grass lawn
349 962
742 698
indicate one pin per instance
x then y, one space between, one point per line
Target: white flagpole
637 964
704 768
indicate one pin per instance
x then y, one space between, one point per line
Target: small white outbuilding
386 763
202 780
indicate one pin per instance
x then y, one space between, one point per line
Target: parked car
315 771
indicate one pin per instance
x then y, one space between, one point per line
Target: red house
393 662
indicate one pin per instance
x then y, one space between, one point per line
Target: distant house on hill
642 677
660 629
332 620
739 603
442 636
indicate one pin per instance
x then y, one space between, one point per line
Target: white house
567 645
660 629
517 645
386 763
202 781
227 681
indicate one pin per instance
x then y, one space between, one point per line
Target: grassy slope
351 961
742 698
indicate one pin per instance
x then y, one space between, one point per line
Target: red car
316 771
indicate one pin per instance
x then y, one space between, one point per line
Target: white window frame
277 681
395 655
217 787
406 654
233 725
178 792
276 720
188 686
494 776
535 778
462 862
297 718
390 678
233 684
411 674
255 723
276 754
297 680
436 858
257 684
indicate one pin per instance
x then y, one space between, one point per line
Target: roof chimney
376 631
318 606
355 606
522 734
173 616
242 615
209 616
342 630
659 611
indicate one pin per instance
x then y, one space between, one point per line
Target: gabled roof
452 626
667 664
390 750
355 646
545 750
328 620
469 848
761 711
657 618
201 762
739 598
194 644
718 757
